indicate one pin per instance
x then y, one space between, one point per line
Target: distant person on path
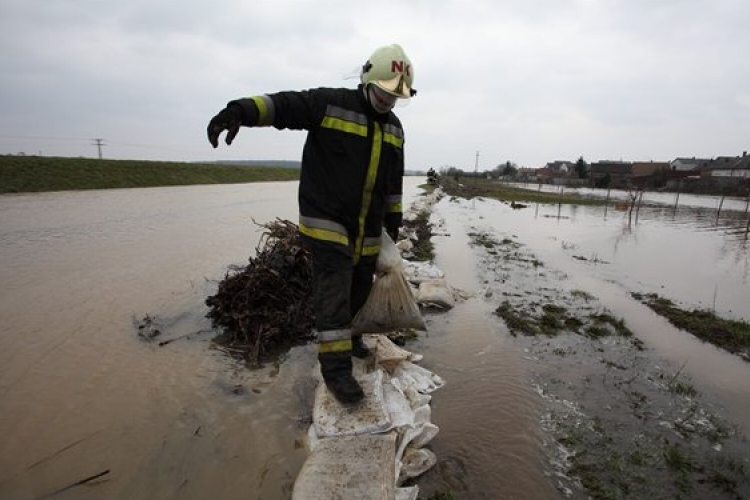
350 189
432 176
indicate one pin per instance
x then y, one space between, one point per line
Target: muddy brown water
81 395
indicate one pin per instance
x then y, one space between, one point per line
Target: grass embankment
475 186
20 174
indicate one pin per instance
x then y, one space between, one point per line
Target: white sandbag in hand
390 305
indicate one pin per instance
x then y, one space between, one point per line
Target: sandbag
436 293
417 272
415 463
420 378
389 354
409 493
344 468
373 448
390 305
332 418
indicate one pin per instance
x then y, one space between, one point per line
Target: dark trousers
340 287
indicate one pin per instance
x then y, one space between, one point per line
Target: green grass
19 174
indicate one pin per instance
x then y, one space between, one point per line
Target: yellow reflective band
395 207
372 173
323 234
369 251
344 126
392 139
264 118
335 346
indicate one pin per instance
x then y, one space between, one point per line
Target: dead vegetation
266 308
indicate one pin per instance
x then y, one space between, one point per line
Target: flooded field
620 393
81 396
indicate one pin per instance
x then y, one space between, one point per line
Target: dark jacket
352 162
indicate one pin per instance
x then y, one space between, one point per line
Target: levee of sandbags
369 450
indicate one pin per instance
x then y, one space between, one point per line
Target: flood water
684 254
81 395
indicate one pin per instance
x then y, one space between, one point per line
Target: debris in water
147 328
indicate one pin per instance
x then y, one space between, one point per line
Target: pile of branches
266 308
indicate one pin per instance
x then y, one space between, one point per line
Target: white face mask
380 100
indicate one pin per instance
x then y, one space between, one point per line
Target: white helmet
390 69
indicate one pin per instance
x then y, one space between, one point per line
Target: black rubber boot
336 368
359 348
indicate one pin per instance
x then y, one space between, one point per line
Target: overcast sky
529 81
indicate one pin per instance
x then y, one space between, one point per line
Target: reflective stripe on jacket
352 163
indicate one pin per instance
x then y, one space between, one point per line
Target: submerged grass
555 319
732 335
423 250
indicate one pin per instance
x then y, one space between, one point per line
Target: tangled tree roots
266 308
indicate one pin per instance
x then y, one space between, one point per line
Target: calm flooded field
81 395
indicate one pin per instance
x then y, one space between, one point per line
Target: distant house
560 167
615 174
728 174
562 173
723 174
544 174
686 164
650 174
526 174
728 166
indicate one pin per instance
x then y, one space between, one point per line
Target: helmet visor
396 86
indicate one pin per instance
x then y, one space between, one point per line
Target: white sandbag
312 439
332 418
400 413
390 305
426 433
422 379
423 415
416 272
415 463
410 493
419 435
436 293
405 246
416 398
344 468
388 353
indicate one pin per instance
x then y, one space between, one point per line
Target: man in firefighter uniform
350 189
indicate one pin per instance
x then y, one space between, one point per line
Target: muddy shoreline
619 421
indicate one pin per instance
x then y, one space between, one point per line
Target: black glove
229 119
393 233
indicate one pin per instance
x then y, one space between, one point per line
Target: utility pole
476 165
99 143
